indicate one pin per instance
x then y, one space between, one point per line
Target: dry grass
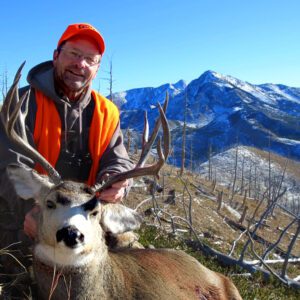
216 227
205 217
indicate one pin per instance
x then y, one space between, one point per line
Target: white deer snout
70 235
74 224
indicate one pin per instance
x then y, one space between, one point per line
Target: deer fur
72 260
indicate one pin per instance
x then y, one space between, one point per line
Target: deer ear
27 183
117 218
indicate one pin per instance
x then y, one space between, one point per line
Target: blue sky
158 41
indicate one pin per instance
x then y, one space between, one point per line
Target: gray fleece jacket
74 161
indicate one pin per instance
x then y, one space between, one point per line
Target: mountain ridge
221 111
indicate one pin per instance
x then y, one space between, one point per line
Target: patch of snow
288 141
276 92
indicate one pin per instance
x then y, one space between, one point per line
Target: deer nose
70 235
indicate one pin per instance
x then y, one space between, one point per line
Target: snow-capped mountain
221 111
147 97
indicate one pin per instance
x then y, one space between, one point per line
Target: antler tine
146 130
147 143
10 95
166 135
139 169
9 120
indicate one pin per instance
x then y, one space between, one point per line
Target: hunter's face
76 64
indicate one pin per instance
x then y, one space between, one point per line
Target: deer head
72 221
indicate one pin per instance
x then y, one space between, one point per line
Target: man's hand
30 222
115 193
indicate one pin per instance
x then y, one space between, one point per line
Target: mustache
74 69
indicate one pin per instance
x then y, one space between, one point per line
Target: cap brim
85 32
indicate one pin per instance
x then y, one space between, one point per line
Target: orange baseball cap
83 29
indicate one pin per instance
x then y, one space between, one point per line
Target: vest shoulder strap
104 123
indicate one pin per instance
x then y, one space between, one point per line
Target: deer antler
139 169
10 113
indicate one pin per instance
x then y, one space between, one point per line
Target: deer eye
94 213
50 204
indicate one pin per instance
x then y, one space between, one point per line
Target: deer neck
69 258
86 281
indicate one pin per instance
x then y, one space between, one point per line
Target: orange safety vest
47 130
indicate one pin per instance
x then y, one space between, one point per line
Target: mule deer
71 259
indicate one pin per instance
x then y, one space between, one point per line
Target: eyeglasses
90 60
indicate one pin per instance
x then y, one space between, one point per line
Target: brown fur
140 274
169 274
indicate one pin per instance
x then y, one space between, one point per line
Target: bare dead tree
256 186
250 179
128 133
274 245
183 204
191 155
250 225
214 185
244 199
235 173
215 176
190 201
278 186
243 216
297 206
110 79
183 137
263 217
262 262
155 206
210 162
220 200
239 238
99 87
269 177
289 250
242 175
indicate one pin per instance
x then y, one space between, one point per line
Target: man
66 122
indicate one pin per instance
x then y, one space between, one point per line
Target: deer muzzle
70 235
